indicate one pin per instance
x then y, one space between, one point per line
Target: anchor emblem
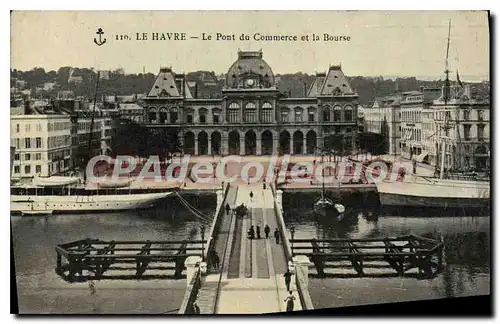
101 41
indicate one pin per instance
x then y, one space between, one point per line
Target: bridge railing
300 279
191 293
215 224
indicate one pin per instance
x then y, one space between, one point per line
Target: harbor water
40 290
466 255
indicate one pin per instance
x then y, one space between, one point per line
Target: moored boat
462 189
325 206
66 194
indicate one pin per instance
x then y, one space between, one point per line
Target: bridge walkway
254 281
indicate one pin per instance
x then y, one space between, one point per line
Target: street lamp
292 232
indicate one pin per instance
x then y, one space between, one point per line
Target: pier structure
402 254
250 277
94 259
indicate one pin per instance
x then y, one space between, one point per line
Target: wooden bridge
399 253
91 258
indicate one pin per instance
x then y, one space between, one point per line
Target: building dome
250 71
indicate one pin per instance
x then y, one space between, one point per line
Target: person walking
277 236
289 302
196 308
258 232
267 230
251 232
216 260
288 279
251 195
228 209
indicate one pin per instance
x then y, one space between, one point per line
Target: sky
382 43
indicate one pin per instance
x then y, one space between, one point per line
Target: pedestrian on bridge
251 195
267 230
228 209
277 236
258 232
289 302
196 308
288 278
216 261
251 233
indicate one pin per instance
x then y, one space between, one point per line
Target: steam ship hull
435 194
43 205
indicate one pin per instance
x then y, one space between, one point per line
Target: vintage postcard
250 162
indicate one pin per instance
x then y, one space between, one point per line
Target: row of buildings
52 138
250 116
417 124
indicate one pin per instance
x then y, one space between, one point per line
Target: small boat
109 183
37 212
328 208
55 181
325 206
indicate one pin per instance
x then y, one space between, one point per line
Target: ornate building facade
252 117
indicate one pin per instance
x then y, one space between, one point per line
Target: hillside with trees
209 85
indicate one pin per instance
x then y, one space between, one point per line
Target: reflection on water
35 238
466 254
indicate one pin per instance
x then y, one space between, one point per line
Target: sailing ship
438 192
326 206
61 194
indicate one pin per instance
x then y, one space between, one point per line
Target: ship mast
89 148
446 93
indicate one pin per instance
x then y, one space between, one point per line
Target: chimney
196 89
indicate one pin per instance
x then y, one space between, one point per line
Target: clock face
250 82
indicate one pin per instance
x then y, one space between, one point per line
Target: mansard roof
333 83
168 84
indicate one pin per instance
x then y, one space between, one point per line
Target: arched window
250 113
326 113
337 111
266 113
348 113
233 114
